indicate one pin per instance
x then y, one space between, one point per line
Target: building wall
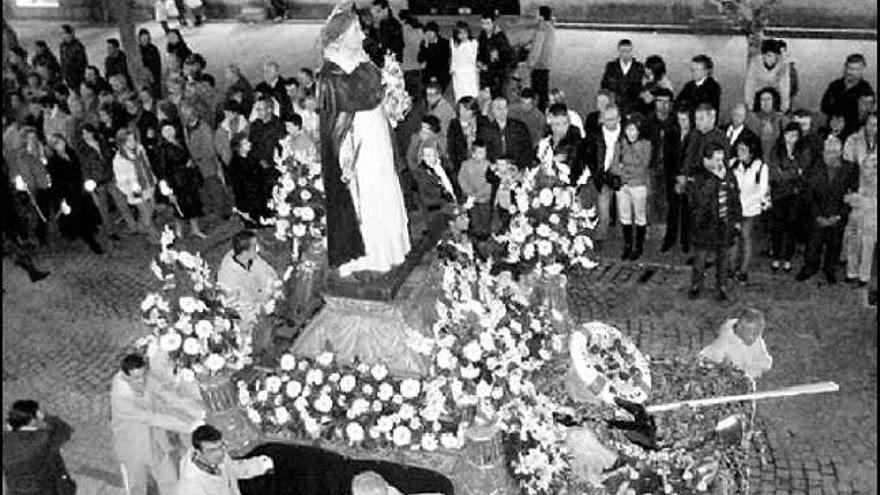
803 13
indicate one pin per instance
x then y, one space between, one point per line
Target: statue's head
342 30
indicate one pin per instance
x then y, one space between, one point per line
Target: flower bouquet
298 201
396 102
603 357
357 404
189 317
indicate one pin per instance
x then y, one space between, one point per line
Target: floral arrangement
189 317
298 200
396 102
549 228
356 404
601 352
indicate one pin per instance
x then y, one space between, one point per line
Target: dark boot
28 264
627 242
641 231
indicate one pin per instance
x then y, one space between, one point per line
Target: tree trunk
123 15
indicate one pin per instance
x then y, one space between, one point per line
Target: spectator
140 430
116 61
200 142
29 164
181 181
177 49
32 462
494 55
526 112
463 62
716 215
753 179
564 138
264 134
435 54
593 123
436 192
306 78
79 218
144 122
297 142
239 89
787 167
540 58
867 104
705 132
44 57
600 153
95 156
508 138
737 130
152 60
661 129
277 10
766 120
623 76
463 131
632 165
861 149
56 120
273 85
231 126
655 78
207 469
702 88
413 37
245 176
842 95
93 77
165 10
17 63
134 177
439 106
388 30
428 135
73 58
472 179
558 96
766 68
827 184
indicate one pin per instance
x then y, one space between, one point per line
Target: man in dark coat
842 96
716 214
564 137
705 133
12 229
598 151
273 85
623 76
32 462
151 59
436 54
494 55
702 88
116 61
73 58
388 32
506 137
663 131
829 181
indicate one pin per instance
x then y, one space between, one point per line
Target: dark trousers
698 272
678 217
784 218
541 87
830 238
412 81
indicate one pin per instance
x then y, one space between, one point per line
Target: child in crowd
753 179
474 185
633 167
740 341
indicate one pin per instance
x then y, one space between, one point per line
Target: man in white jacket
207 469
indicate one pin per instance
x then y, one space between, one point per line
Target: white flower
546 197
554 219
385 392
450 441
377 406
273 384
347 383
298 230
187 374
483 389
367 389
529 251
312 427
472 351
470 372
354 432
170 341
293 389
288 362
282 416
545 247
358 407
325 359
445 359
544 230
409 388
324 403
306 213
315 377
204 329
401 436
253 415
90 185
487 341
407 411
191 346
429 442
379 371
188 304
385 424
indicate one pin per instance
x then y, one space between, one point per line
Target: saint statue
366 216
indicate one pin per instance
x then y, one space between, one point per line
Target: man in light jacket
140 430
207 469
541 55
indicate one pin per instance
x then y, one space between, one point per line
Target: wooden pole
123 14
808 389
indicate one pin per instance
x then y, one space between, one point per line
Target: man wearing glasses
207 469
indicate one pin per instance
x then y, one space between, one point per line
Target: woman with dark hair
178 48
787 166
753 178
179 180
463 131
632 164
765 120
32 462
245 175
43 56
655 77
463 65
79 216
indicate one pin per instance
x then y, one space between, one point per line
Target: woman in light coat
465 77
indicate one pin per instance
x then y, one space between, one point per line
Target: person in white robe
740 341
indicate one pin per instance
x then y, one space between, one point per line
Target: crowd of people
98 154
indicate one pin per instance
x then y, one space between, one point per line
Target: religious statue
366 217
